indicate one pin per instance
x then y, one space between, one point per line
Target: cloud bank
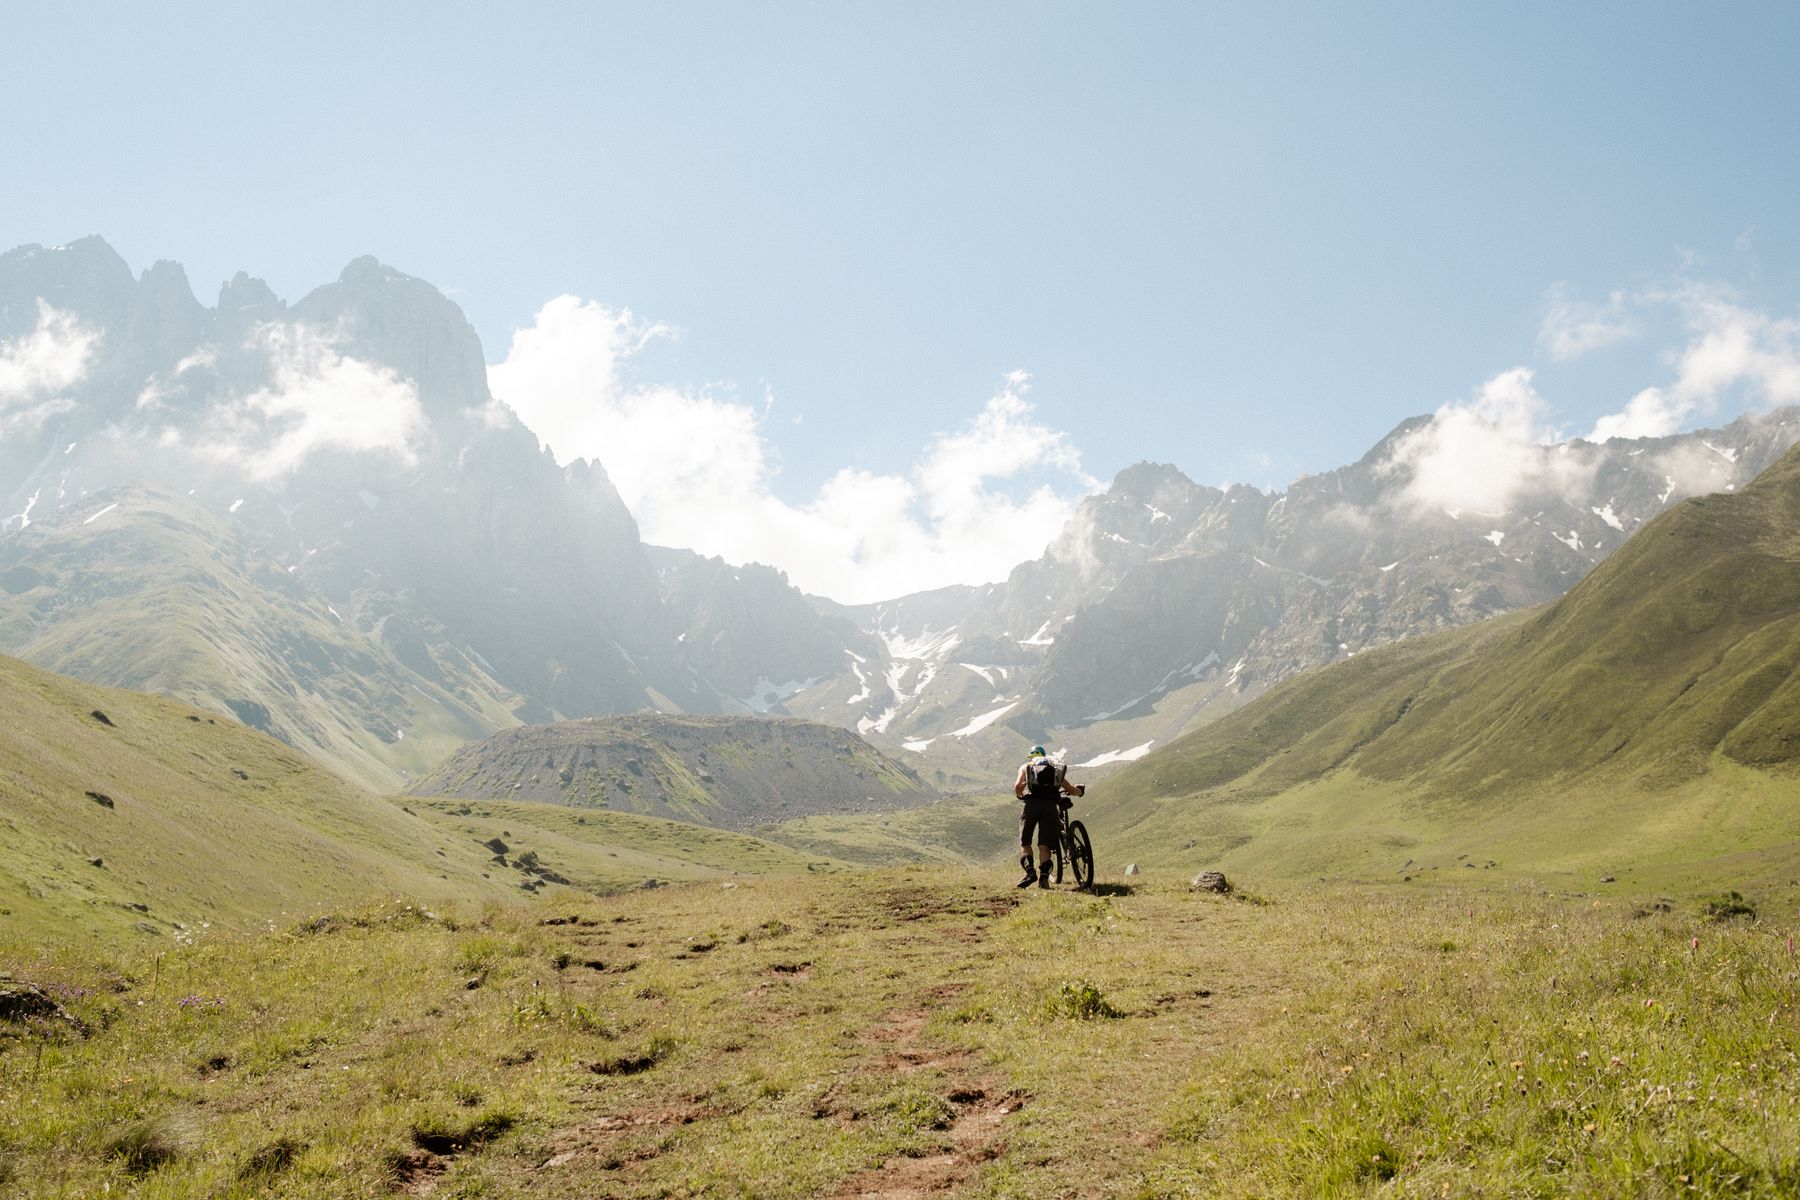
1484 453
36 370
696 469
316 399
1731 352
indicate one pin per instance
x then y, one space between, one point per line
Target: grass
199 824
930 1029
954 829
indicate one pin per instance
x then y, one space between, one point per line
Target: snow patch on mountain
24 518
930 644
987 673
1611 518
1290 571
861 679
895 677
100 514
1113 756
1192 671
768 693
983 721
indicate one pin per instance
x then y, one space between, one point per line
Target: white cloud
1572 327
316 399
1650 413
1481 455
695 469
38 368
1734 347
1731 352
1692 470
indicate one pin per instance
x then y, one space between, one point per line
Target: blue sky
1248 240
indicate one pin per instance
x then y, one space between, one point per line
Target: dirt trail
789 989
971 1133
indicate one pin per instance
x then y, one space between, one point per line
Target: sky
877 292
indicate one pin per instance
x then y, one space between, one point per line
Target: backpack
1041 780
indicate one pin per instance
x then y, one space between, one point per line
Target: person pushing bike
1041 785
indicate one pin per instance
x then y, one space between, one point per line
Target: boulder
1210 881
27 1004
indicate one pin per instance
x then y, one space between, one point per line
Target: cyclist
1042 783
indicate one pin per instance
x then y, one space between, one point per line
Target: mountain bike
1073 847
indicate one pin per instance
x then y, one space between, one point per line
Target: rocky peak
86 277
1148 480
246 292
382 315
167 316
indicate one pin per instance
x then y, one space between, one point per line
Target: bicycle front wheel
1081 855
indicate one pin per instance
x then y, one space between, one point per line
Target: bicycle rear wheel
1081 855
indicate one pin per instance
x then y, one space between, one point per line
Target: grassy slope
162 596
186 837
731 772
1646 716
955 829
610 851
196 844
928 1032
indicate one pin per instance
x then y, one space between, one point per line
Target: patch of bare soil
970 1138
599 1140
917 903
417 1172
972 1133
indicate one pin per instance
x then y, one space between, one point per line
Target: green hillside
130 815
151 591
728 772
1651 715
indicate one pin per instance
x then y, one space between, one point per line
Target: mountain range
1647 717
314 517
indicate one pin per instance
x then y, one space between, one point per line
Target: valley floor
919 1032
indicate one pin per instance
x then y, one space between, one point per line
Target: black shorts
1043 814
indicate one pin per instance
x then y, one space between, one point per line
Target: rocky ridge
731 772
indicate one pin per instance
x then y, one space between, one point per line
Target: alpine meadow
540 685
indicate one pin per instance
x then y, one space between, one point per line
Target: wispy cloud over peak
1481 455
37 369
315 399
